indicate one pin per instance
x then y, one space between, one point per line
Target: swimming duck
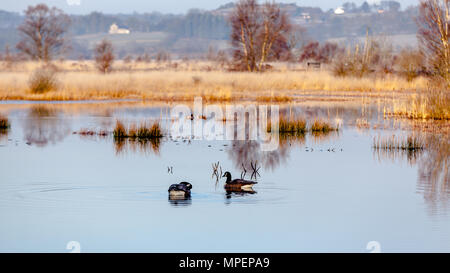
180 190
237 184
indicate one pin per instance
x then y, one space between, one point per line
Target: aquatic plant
293 126
4 123
319 126
142 132
409 143
120 131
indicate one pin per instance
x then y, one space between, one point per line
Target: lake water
317 193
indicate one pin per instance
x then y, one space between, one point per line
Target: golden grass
183 85
320 126
410 143
294 126
142 132
431 104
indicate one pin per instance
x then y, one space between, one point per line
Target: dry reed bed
213 86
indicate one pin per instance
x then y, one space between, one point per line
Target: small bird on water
238 184
180 190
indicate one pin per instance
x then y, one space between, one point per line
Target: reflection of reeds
396 155
4 123
434 175
395 148
292 139
145 146
87 133
142 132
324 136
411 143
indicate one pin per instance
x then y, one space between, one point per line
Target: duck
238 185
180 190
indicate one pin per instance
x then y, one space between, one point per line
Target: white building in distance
114 29
339 11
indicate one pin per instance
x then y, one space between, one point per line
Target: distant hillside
192 33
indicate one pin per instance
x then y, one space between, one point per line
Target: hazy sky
166 6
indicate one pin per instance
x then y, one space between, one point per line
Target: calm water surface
317 193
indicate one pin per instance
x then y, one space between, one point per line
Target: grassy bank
168 84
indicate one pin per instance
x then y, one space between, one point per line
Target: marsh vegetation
141 132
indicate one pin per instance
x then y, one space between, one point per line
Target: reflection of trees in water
247 151
146 147
45 125
434 179
433 165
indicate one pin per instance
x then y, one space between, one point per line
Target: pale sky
165 6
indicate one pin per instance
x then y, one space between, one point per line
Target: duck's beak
223 175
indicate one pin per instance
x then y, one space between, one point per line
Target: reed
142 132
294 126
120 131
432 104
320 126
4 123
410 143
164 84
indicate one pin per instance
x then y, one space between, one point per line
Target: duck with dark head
238 185
182 190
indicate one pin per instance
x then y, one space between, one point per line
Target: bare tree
433 34
43 32
259 32
104 56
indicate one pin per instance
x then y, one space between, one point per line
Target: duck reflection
180 201
146 147
238 193
44 125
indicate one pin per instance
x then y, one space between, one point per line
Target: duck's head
227 175
187 185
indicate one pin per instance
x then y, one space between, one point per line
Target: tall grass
141 133
320 126
409 143
178 85
42 80
299 126
432 104
294 126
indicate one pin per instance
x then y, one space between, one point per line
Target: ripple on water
37 196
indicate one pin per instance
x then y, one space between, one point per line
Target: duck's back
241 182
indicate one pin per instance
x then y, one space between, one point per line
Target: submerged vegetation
141 133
